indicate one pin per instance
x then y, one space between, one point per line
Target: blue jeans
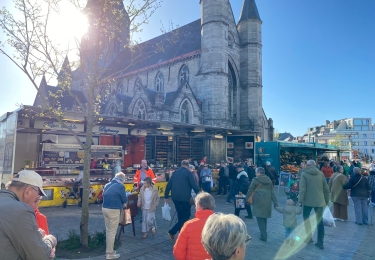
232 184
206 186
289 233
361 210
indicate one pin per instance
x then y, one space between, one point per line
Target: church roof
65 99
249 11
166 47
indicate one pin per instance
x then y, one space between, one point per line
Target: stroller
73 193
292 192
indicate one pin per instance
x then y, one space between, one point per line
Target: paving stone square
345 241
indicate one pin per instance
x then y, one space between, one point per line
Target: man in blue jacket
180 184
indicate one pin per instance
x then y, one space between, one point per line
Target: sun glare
67 25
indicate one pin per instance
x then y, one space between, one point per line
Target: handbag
250 200
125 217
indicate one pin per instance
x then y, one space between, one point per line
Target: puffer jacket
313 188
263 197
154 199
242 183
289 215
19 235
188 245
360 188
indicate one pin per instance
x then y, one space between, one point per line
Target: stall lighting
165 127
219 136
131 124
166 133
198 130
229 133
119 122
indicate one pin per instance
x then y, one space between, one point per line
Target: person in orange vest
143 172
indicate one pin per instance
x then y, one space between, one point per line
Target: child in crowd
148 200
290 212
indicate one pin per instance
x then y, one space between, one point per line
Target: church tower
108 33
213 71
250 30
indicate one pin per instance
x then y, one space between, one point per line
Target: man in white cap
19 234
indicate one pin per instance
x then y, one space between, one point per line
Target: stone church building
204 75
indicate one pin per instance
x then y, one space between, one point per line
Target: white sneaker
112 256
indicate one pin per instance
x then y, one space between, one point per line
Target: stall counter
56 193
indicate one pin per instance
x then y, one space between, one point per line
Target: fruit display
290 161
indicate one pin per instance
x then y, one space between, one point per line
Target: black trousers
183 215
223 185
319 220
262 225
247 207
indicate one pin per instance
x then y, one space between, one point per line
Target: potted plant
27 163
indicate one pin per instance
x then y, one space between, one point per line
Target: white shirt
148 198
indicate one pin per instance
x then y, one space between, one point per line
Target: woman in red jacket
188 245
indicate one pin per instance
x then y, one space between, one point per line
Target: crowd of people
209 235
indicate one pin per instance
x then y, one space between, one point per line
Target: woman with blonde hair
225 237
148 200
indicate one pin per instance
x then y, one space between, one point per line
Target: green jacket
313 188
263 197
346 170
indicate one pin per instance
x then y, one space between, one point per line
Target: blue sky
318 59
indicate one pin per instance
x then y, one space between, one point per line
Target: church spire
65 72
249 11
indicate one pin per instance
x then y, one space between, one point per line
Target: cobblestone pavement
346 241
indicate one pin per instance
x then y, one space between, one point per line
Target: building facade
351 134
206 74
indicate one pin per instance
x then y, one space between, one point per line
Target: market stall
287 156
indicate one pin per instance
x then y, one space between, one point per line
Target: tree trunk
84 225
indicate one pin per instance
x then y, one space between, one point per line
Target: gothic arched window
138 83
112 111
160 82
139 111
185 112
184 74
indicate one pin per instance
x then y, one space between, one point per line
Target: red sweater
188 245
327 171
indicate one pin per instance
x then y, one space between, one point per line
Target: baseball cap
32 178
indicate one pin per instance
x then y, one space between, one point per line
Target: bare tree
36 54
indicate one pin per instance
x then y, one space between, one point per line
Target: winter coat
232 172
360 190
263 197
289 215
313 188
149 173
181 183
327 171
272 174
338 194
371 180
114 195
155 198
189 242
206 173
222 173
19 235
242 183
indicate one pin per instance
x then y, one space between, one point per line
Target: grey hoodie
19 235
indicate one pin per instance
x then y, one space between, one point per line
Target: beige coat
338 194
155 198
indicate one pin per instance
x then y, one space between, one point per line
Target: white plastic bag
328 219
166 210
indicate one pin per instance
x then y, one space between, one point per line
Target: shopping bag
166 210
125 217
240 201
328 219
